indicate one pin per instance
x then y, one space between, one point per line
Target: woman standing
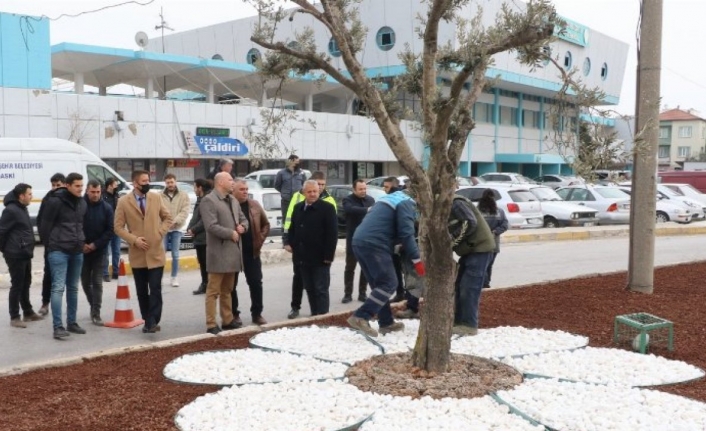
496 219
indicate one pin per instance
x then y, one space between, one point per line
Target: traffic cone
124 317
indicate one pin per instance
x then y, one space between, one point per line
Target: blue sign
573 32
220 146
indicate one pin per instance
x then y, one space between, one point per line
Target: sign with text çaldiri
214 145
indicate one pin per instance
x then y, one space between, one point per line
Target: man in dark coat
61 230
112 249
355 207
57 182
202 187
98 230
17 246
312 238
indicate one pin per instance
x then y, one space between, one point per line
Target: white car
667 210
507 177
558 213
188 188
522 208
271 202
696 208
613 204
687 190
266 177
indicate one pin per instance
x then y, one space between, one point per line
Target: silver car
557 181
613 204
558 213
522 208
697 209
667 210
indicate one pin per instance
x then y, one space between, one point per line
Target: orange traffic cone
124 317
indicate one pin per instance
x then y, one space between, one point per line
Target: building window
253 56
333 48
506 117
664 152
568 59
546 50
685 131
385 38
684 151
604 71
483 112
530 119
586 66
664 132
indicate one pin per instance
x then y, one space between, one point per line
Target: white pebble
301 406
514 341
234 367
329 342
401 341
588 407
607 366
447 414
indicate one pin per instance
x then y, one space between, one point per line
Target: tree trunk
432 349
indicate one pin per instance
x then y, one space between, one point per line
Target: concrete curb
63 362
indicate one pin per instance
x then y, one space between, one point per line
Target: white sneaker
175 282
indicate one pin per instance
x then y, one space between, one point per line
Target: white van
34 160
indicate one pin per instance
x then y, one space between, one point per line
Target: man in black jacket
17 246
355 207
57 182
61 230
312 237
112 249
198 232
98 230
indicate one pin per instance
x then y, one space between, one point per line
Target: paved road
517 264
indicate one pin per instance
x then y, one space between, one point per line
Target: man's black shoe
235 324
293 314
346 299
73 327
60 333
362 297
215 330
201 290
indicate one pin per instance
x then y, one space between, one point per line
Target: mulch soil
128 392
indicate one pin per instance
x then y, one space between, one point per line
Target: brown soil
467 377
128 392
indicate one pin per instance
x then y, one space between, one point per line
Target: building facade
682 135
156 129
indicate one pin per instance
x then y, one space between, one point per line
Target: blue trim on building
496 118
520 124
610 122
25 57
529 158
541 125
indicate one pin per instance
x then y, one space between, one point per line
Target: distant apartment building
682 135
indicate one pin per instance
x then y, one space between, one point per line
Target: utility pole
644 181
163 25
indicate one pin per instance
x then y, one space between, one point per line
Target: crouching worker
391 219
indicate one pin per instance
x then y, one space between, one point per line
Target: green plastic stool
643 323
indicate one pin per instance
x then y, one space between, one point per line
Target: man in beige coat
142 220
224 223
178 204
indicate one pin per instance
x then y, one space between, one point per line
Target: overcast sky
683 66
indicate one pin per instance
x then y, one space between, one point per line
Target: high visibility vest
299 197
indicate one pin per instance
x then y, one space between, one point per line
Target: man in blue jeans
178 204
389 222
61 229
111 255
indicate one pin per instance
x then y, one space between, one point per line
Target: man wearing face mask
142 220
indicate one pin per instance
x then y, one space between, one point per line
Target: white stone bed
235 367
607 366
301 406
399 342
327 342
507 341
588 407
448 414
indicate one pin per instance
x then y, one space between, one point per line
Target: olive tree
445 116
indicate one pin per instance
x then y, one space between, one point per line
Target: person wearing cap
289 181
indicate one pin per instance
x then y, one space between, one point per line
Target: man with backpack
474 243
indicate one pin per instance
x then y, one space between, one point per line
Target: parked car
341 191
667 210
507 177
687 190
158 187
613 204
557 181
266 177
272 203
377 181
558 213
522 208
697 179
697 208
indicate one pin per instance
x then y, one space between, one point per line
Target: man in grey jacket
288 181
224 223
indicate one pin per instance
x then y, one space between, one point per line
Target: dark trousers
297 288
397 262
489 273
470 279
284 203
412 302
92 280
253 276
46 280
112 250
316 280
349 276
201 258
148 283
20 279
377 265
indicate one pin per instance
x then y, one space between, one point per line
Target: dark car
339 192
